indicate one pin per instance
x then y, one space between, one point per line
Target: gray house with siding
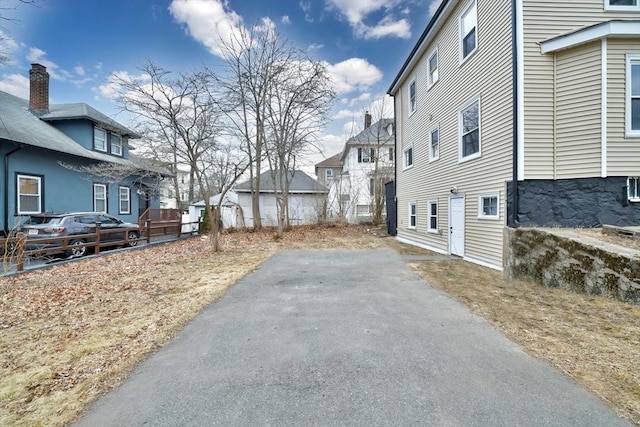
44 149
518 112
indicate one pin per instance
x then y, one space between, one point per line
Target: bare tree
300 99
4 18
181 113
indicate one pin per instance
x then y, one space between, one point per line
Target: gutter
6 188
512 220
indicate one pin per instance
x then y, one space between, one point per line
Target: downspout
6 188
512 221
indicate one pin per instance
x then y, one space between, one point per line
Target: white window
124 200
633 189
328 173
434 144
468 31
29 194
633 96
412 215
488 206
432 216
408 157
99 198
622 5
391 154
366 155
433 69
99 139
469 129
412 97
116 144
363 210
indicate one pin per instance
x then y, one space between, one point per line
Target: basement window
633 189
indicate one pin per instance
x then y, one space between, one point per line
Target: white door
456 226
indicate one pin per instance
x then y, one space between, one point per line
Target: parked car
40 227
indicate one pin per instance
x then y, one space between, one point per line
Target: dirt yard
75 331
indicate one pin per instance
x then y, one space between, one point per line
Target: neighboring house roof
229 198
84 111
18 124
300 183
331 162
377 133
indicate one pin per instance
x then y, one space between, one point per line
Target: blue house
44 152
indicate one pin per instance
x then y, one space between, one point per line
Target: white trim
409 226
633 199
106 139
614 8
120 145
587 34
419 52
412 108
461 58
106 198
18 194
603 111
405 166
421 245
481 214
429 216
631 58
430 81
464 107
482 263
520 86
120 200
433 158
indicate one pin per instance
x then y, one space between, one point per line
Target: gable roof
377 133
301 183
19 125
331 162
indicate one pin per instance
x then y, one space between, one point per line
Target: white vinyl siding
99 198
578 112
29 194
623 152
457 86
544 19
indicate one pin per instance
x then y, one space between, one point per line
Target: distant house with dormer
45 148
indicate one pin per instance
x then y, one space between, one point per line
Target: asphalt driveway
339 337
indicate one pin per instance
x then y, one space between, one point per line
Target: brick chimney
367 120
38 89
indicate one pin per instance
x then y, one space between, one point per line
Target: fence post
20 250
96 250
148 226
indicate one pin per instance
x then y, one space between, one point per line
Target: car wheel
76 250
133 238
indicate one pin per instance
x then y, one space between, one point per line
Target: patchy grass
72 332
595 340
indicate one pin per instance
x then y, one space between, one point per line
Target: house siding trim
603 110
590 33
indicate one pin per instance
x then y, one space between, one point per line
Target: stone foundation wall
557 261
583 202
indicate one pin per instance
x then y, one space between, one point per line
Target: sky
83 42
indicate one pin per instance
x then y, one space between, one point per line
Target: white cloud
111 88
344 114
350 128
38 56
15 84
314 47
211 22
381 107
79 70
356 12
8 45
352 74
386 27
306 8
285 20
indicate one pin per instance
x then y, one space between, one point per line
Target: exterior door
456 226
